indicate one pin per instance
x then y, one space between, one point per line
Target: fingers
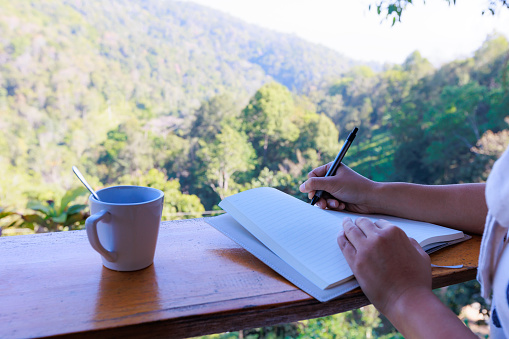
309 186
362 226
330 203
353 233
313 184
333 204
367 226
381 223
346 247
322 203
319 171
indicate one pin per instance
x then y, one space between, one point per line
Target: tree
177 205
126 150
209 117
318 133
171 153
393 9
229 154
267 120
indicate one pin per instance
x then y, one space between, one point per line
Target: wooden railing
200 283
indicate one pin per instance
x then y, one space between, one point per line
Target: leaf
15 223
75 209
5 214
34 219
60 219
37 206
70 196
78 217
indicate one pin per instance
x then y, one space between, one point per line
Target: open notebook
299 240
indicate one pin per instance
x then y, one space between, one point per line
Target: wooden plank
201 283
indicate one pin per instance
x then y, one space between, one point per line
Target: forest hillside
202 105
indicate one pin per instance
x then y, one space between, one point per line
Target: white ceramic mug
124 225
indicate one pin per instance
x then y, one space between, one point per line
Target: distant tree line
417 124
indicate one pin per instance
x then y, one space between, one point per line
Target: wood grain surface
201 282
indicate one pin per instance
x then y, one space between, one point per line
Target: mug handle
91 226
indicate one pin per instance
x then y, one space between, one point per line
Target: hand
389 266
347 189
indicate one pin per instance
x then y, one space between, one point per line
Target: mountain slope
166 55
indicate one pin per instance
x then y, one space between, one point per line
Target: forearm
461 206
420 314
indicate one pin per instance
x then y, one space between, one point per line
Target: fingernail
301 187
334 203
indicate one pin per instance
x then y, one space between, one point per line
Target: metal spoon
82 179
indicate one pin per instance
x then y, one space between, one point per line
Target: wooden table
201 283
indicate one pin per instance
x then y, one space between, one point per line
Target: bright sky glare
440 32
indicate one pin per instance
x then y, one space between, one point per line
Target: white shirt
493 272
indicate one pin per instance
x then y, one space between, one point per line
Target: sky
441 33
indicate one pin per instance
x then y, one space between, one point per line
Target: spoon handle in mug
84 181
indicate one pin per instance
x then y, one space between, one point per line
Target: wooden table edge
248 317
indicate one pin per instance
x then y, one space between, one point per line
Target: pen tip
314 200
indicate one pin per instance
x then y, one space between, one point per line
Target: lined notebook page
300 234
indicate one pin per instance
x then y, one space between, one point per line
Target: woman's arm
395 274
460 206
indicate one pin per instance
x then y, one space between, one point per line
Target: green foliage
199 105
87 82
459 295
318 132
363 323
5 213
439 122
51 217
393 9
373 157
212 115
177 205
9 218
126 149
228 154
267 119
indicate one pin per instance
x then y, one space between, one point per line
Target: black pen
335 165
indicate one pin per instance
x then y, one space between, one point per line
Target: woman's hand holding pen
392 269
350 191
